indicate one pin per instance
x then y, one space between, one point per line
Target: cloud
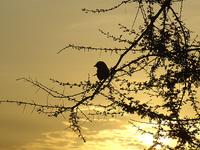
114 134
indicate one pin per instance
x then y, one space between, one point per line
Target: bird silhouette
102 70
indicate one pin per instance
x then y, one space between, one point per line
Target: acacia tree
162 49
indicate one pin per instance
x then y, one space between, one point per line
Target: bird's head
100 64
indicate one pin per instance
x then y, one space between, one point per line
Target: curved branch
89 48
108 9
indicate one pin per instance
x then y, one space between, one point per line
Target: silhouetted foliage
162 49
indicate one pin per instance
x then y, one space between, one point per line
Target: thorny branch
164 54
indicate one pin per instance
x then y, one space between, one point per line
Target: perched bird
102 70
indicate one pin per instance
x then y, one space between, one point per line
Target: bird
102 70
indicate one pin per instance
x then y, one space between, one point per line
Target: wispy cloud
105 135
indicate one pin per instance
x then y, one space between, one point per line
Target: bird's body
102 70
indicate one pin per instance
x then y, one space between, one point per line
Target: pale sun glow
146 139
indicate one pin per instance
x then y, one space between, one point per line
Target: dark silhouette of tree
163 50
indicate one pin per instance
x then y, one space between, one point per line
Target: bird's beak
95 65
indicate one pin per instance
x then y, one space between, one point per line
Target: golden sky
31 33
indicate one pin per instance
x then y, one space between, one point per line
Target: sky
31 33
